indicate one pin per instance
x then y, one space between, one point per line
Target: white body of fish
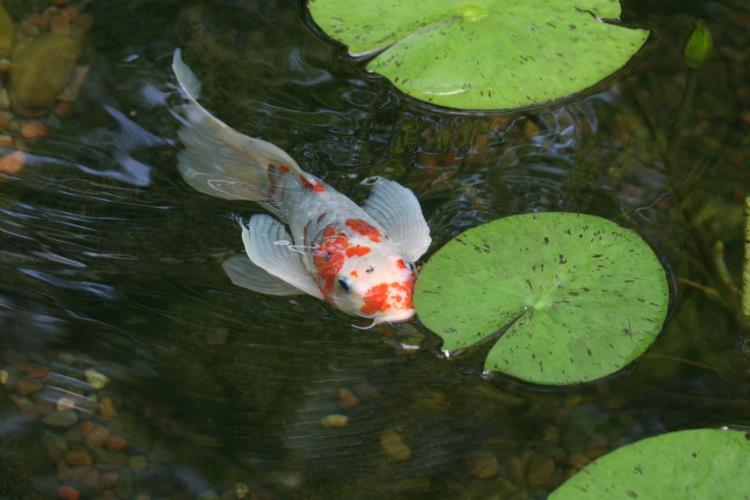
360 259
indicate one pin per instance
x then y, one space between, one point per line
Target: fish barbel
359 259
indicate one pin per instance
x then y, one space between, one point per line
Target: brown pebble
78 472
578 460
482 464
366 392
107 409
95 434
68 493
394 446
5 119
34 129
515 469
37 372
334 421
116 443
62 108
78 457
596 446
91 479
6 141
44 406
540 469
26 387
12 163
107 480
347 399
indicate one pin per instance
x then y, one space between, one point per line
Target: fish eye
410 265
345 285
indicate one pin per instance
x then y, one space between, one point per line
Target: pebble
65 403
367 392
6 141
483 464
95 434
578 460
347 399
596 446
115 443
107 480
241 490
540 470
68 493
61 418
91 478
334 421
13 163
34 129
138 463
78 457
124 484
95 379
107 409
394 446
4 99
4 377
27 387
5 120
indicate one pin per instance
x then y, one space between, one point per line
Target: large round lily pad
484 54
589 295
702 463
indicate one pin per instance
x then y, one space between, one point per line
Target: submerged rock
40 70
7 33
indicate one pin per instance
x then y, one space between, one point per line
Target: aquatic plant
486 54
699 463
579 296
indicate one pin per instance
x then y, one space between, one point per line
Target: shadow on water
111 265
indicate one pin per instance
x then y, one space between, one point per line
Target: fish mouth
392 317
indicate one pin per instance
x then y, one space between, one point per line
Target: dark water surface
110 262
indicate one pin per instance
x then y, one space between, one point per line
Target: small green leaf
484 54
700 463
591 295
698 46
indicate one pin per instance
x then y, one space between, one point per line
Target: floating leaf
484 54
589 296
701 463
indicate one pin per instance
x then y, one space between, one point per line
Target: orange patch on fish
329 258
358 251
312 186
385 296
364 228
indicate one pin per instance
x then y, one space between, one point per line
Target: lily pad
585 296
484 54
700 463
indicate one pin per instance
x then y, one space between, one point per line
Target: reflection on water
131 366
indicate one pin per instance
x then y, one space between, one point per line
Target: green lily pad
587 296
484 54
701 463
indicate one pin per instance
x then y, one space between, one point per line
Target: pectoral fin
269 247
397 210
244 273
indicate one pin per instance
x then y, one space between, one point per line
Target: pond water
111 265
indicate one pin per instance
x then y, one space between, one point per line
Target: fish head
364 275
378 287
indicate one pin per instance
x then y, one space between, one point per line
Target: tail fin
218 160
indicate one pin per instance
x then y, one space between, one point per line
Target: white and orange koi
360 259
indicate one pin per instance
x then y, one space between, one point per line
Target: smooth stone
394 446
61 418
124 484
483 464
540 469
40 70
7 33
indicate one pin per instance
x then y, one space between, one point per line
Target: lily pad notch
484 54
585 296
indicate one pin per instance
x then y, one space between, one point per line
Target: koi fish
359 259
